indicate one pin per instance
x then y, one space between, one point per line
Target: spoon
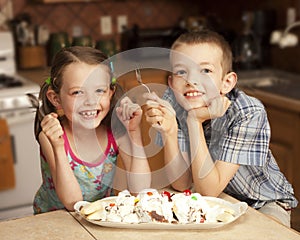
139 79
36 103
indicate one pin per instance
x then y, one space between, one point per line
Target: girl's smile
89 114
86 99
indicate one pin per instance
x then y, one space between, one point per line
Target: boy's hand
160 114
130 114
53 129
216 108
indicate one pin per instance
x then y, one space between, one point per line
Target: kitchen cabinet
62 1
284 119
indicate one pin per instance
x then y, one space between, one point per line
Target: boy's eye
205 70
180 73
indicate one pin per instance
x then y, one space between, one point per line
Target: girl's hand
130 114
53 129
216 108
160 114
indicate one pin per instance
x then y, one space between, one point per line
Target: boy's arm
176 162
210 178
161 116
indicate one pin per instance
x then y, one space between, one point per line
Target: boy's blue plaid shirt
242 137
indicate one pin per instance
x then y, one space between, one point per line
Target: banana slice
225 217
98 215
92 207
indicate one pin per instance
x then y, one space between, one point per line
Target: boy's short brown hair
211 37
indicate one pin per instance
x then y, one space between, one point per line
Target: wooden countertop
65 225
53 225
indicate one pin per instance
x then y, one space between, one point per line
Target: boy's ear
170 78
228 83
53 98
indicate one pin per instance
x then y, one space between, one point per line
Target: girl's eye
101 90
77 92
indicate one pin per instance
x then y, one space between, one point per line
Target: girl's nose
91 99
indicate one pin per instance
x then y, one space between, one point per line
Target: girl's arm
135 162
52 146
131 147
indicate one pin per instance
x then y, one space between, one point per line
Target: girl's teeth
89 114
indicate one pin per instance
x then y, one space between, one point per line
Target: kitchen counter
38 75
68 225
53 225
272 85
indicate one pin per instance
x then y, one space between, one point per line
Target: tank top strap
111 140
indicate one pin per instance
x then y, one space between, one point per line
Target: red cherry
187 192
167 194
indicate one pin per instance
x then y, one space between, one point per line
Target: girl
78 150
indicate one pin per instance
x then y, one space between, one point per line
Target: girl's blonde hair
210 37
62 59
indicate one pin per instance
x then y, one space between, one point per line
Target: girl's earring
60 112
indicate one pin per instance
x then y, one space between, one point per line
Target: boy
214 135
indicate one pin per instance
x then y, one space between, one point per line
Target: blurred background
117 25
32 31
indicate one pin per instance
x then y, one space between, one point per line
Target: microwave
157 37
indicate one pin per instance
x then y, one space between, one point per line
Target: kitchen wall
285 59
156 14
86 15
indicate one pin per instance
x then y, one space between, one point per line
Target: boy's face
197 74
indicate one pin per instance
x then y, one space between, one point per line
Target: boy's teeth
193 94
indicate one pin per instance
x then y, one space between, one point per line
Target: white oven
15 108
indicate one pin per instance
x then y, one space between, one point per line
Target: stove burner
9 82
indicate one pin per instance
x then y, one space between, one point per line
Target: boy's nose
191 82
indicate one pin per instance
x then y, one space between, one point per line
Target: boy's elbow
207 192
180 187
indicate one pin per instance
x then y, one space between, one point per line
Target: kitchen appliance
159 37
56 42
246 47
15 109
251 49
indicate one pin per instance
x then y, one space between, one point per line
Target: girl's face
197 74
85 94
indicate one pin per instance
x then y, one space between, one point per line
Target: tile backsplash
84 17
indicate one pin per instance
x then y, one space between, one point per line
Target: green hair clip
113 81
48 81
